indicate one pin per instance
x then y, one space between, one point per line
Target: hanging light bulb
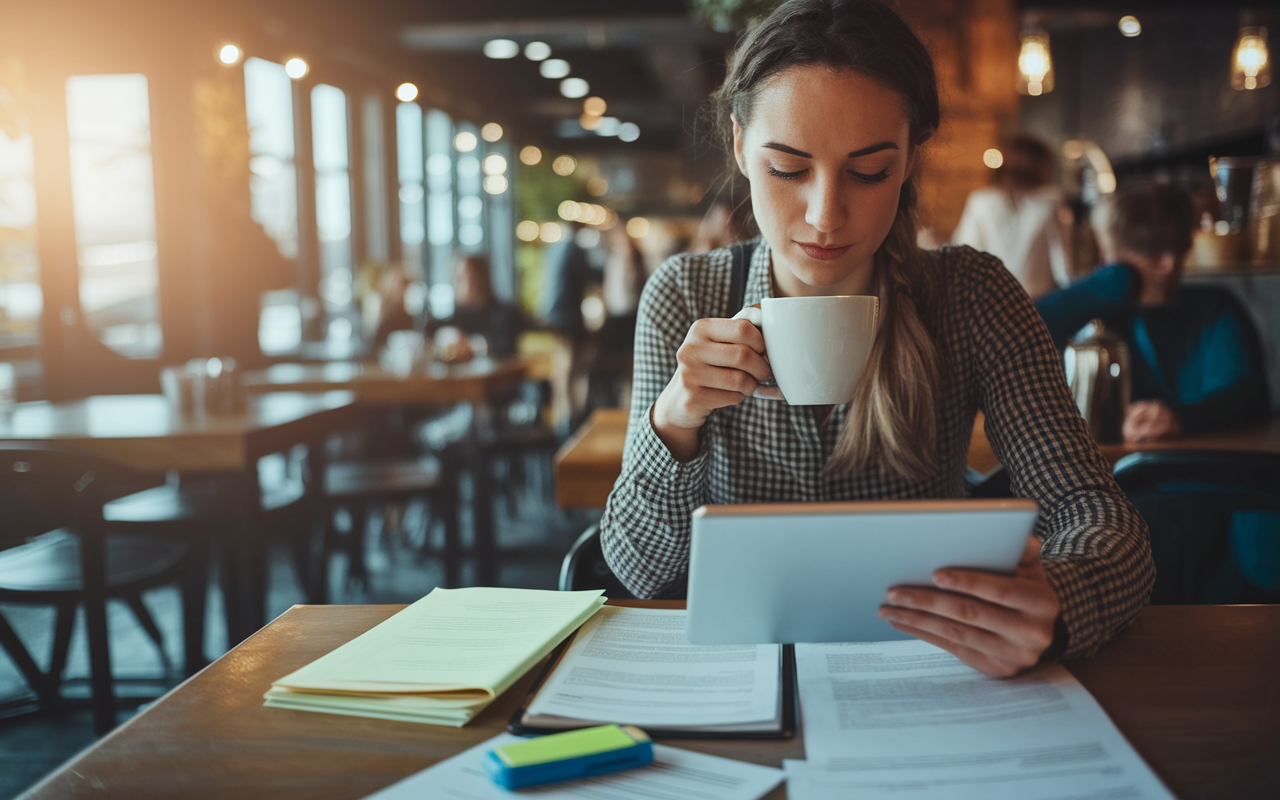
1251 64
1035 65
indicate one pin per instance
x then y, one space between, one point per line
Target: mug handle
767 390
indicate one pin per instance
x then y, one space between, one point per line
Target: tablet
817 572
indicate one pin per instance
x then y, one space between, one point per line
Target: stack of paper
900 720
442 659
674 775
636 666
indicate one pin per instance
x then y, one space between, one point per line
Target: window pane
375 187
440 200
20 297
411 193
333 193
113 201
273 185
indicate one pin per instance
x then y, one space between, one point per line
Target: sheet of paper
474 641
908 720
674 775
635 666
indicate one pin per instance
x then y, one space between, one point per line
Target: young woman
826 105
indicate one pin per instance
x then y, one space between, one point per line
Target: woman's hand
720 363
1147 420
998 624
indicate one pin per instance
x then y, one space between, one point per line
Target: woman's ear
737 147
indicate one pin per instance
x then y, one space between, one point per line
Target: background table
588 464
143 432
476 381
1193 688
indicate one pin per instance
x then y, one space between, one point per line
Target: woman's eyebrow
875 148
866 151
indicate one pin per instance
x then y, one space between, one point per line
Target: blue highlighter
569 755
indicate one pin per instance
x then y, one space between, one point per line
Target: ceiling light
628 131
501 48
537 51
491 132
609 126
530 155
495 184
295 68
406 92
993 158
564 165
1129 26
554 68
1251 66
229 54
574 87
464 142
527 230
494 164
1035 65
569 210
594 106
551 232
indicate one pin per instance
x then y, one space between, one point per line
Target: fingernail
943 579
894 597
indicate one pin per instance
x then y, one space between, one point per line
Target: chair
584 567
53 497
1215 520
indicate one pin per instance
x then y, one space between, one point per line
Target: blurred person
566 272
477 312
722 225
383 309
1195 359
1022 219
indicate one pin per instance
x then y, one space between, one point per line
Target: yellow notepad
442 659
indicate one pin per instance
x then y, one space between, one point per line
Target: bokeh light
491 132
637 227
406 92
530 155
993 158
537 51
564 166
551 232
501 48
464 142
527 231
296 68
229 54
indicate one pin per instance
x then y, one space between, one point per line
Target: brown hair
893 421
1150 219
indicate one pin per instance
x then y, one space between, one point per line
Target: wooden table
1192 687
1255 438
143 432
476 381
589 463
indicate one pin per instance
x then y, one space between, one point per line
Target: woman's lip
822 253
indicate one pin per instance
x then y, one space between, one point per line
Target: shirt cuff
662 472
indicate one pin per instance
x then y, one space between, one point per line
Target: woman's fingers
731 331
977 659
734 356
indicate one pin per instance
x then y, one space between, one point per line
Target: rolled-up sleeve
645 529
1097 550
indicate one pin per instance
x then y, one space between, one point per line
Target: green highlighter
569 755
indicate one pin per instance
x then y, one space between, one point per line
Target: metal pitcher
1098 373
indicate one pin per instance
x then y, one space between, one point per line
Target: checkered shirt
997 357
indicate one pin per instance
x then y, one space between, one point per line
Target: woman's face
826 153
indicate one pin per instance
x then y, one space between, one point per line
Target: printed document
910 721
674 775
442 659
634 666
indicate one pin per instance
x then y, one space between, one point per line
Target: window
20 297
470 198
333 194
273 186
412 194
113 203
375 185
440 204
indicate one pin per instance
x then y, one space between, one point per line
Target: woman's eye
872 178
786 176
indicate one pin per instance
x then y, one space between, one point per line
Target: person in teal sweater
1196 361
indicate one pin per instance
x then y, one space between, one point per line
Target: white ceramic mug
817 346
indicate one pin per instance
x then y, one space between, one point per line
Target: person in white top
1020 219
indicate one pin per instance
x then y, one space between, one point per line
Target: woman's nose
826 212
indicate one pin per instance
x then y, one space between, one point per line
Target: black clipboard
790 692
